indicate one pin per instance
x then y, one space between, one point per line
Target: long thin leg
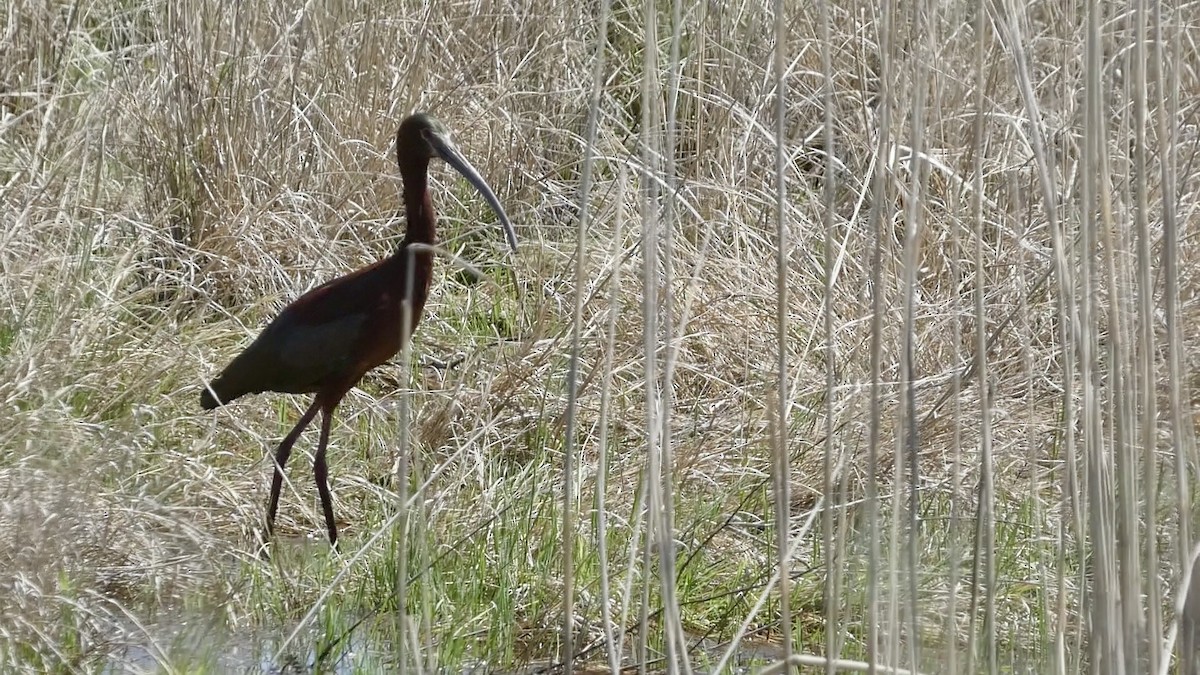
281 458
321 473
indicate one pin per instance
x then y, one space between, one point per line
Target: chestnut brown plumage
325 341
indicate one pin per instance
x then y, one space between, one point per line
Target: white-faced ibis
325 341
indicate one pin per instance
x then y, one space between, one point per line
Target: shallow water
206 645
199 641
198 645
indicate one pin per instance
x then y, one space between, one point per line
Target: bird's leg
321 473
281 458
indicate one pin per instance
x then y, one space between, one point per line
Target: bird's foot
263 542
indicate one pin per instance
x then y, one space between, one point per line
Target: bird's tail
207 400
223 394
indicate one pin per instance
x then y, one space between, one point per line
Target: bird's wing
321 349
294 356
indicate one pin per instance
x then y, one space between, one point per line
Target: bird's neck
418 206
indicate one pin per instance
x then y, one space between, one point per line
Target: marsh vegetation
967 241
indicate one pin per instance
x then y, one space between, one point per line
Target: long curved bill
448 151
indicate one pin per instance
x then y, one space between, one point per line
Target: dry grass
167 184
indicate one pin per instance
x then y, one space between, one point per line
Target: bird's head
421 137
